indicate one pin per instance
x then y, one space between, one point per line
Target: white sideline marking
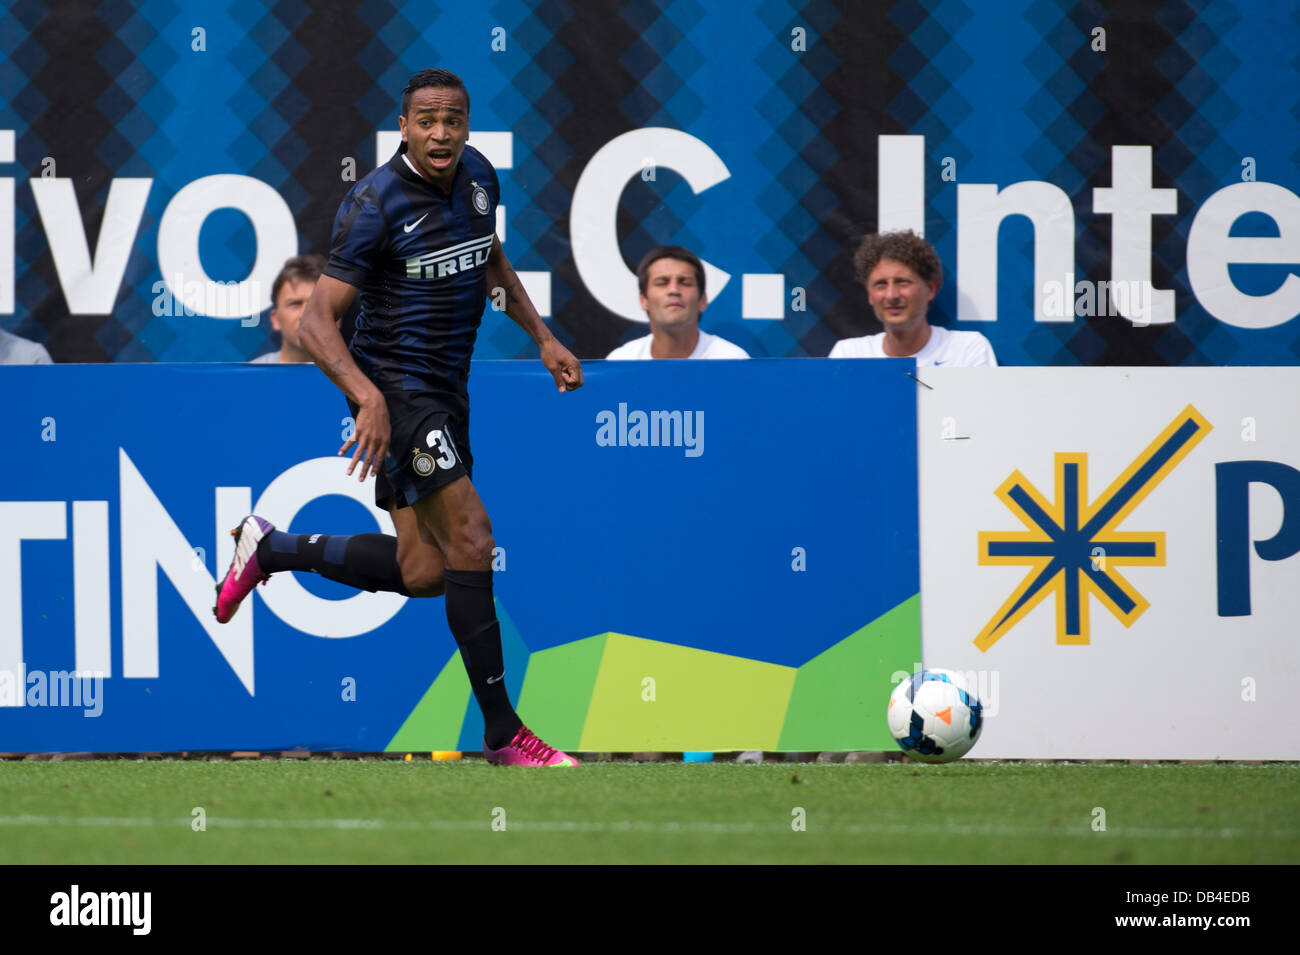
467 825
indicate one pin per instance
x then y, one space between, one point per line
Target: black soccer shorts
428 447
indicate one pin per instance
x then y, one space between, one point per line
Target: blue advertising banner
741 535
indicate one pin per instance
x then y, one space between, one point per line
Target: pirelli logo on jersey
452 260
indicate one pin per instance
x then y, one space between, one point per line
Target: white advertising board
1115 554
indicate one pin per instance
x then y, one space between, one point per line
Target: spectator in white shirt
671 280
902 274
289 294
15 350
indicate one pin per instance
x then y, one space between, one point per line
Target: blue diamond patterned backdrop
791 97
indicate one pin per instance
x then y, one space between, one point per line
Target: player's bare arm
320 337
559 361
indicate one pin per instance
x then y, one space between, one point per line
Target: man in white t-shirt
902 274
671 280
289 294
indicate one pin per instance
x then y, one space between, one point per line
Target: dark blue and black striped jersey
419 257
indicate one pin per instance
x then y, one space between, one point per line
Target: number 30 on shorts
442 443
424 463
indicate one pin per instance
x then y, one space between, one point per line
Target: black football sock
364 561
472 617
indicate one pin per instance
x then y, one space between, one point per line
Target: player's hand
370 435
564 368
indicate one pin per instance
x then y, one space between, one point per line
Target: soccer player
416 240
671 280
289 294
902 274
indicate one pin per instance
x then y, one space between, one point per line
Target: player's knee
474 544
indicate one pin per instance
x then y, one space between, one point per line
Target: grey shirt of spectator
19 351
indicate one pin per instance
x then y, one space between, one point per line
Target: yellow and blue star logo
1072 547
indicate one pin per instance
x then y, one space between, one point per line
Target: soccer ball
934 716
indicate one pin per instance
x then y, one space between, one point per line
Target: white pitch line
436 825
466 825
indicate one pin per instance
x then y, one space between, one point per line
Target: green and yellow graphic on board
617 692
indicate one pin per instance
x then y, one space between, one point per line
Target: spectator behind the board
902 274
16 350
289 294
671 280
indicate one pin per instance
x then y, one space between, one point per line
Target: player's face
288 309
898 295
435 129
672 296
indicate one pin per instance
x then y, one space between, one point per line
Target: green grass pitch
125 811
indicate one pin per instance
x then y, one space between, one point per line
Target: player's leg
418 556
364 561
408 564
455 516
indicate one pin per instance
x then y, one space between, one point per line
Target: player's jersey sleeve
360 230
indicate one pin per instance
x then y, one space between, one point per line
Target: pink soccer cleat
527 749
245 572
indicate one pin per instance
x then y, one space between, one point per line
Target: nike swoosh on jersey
497 679
408 228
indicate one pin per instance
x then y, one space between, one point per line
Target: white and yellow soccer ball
935 716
